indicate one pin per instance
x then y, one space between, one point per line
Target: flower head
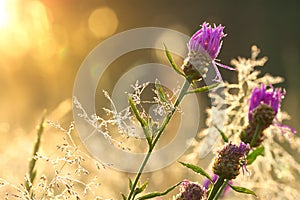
264 106
207 39
204 47
191 191
230 159
261 95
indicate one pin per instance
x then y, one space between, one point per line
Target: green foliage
157 194
161 93
242 190
141 188
130 183
197 169
203 89
260 151
173 64
32 172
124 197
136 112
224 137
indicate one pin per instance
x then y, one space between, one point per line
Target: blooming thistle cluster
264 106
204 47
230 159
191 191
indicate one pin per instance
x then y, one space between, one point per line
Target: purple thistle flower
230 159
204 47
207 39
271 98
191 191
207 184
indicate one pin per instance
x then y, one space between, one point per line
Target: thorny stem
161 129
216 187
257 131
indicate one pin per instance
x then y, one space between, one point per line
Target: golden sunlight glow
3 13
103 22
25 27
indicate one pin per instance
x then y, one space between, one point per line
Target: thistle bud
230 159
264 115
191 191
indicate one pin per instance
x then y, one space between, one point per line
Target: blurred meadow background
43 43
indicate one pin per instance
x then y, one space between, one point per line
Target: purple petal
225 66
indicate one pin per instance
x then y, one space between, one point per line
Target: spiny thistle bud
204 47
230 159
191 191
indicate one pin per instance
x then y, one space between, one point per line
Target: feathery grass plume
67 174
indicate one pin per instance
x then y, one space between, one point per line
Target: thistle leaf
124 197
173 64
242 190
203 89
142 188
197 169
157 194
136 112
260 151
130 183
160 90
224 137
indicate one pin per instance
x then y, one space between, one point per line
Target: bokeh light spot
103 22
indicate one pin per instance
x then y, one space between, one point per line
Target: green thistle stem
221 189
183 91
257 131
161 129
216 187
131 195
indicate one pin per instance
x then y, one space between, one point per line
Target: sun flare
3 13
